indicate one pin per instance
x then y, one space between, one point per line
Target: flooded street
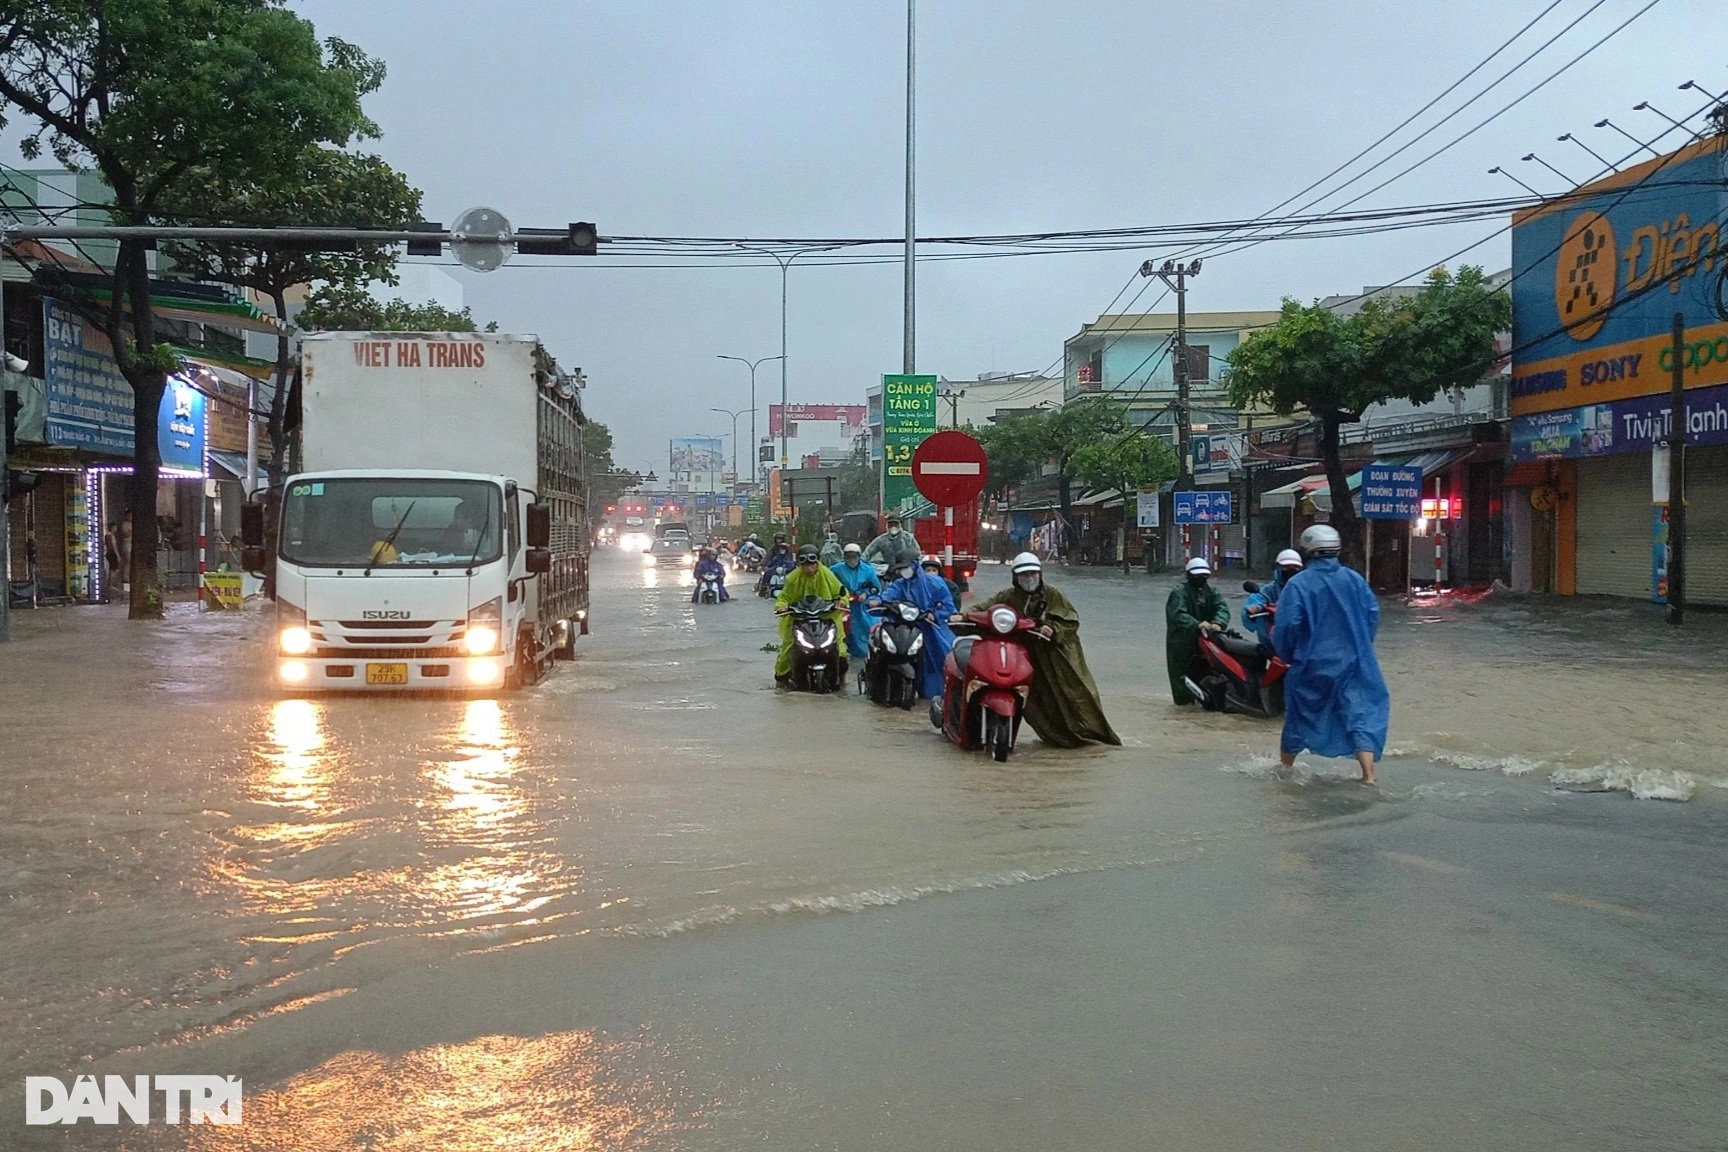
654 903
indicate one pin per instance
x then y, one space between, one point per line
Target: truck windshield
391 523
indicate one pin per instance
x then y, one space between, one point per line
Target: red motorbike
985 681
1241 676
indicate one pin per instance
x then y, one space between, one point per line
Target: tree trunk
279 396
149 383
1343 507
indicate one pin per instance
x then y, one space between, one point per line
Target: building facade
1603 274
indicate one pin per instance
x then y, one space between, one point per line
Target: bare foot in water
1366 759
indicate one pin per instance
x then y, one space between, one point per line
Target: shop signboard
1216 453
1391 492
908 417
180 428
1601 274
1636 424
222 592
1211 507
89 404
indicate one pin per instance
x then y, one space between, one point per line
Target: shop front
1609 270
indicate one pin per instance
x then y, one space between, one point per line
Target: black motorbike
892 665
818 661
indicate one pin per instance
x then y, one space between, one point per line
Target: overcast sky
786 118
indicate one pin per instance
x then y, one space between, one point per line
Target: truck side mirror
538 561
252 525
539 526
254 560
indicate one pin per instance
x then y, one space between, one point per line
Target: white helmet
1197 567
1320 540
1289 558
1025 562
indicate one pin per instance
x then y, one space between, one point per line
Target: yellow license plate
386 673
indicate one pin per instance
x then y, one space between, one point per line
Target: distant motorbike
1241 675
985 681
708 590
770 584
892 665
818 664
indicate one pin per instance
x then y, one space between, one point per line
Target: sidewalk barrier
220 591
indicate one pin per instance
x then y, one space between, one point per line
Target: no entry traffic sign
950 469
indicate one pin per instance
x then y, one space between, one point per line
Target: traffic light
580 239
426 247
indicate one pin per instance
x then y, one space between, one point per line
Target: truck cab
403 579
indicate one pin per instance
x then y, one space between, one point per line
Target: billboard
1599 278
851 416
908 416
698 454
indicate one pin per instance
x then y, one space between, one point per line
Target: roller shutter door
1614 526
1707 526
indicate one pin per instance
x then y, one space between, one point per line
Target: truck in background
435 532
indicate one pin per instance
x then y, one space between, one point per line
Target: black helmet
807 554
780 537
906 560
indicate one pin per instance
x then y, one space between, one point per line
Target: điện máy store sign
1598 279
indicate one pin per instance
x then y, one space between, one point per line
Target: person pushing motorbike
1256 614
809 578
1063 707
930 593
1194 607
860 581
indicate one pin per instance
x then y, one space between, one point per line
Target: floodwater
654 903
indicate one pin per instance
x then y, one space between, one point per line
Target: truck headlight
485 625
293 638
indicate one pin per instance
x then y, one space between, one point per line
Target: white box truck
434 532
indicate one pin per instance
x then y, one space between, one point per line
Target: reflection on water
565 1091
346 842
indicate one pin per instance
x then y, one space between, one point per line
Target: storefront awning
234 463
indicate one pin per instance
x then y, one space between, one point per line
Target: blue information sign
1391 492
1202 507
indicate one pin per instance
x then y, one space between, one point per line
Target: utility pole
1176 277
1677 477
5 516
909 340
953 397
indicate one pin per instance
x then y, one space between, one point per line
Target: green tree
347 307
1132 461
155 95
329 189
1014 449
1334 367
607 483
1050 443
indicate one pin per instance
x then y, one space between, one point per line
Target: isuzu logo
384 614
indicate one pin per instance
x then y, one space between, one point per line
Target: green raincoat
1063 706
799 584
1190 604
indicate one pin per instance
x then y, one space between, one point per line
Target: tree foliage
155 96
607 482
330 189
347 307
1335 367
1132 461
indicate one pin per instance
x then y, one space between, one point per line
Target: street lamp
785 263
735 415
750 364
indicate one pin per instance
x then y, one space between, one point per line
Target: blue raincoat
859 581
1268 595
1335 700
930 593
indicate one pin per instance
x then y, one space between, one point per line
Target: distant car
673 548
